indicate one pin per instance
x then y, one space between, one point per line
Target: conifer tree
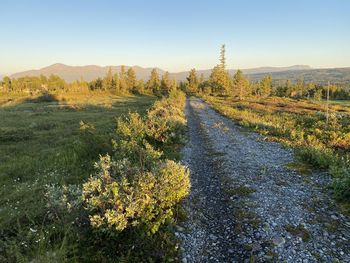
219 80
266 86
192 81
166 84
123 86
241 86
223 57
140 86
116 83
108 79
153 83
131 80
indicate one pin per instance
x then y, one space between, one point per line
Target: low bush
121 196
136 189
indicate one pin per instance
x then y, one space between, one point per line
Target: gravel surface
246 205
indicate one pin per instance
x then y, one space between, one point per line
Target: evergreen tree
108 79
166 84
223 57
7 83
131 80
201 79
289 88
123 86
241 86
153 83
318 94
265 86
116 83
192 81
140 86
220 81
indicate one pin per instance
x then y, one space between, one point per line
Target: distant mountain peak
90 72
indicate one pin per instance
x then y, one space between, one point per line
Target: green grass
40 144
345 103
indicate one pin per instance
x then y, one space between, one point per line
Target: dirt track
245 204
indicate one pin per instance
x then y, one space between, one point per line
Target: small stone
212 237
180 229
334 217
184 260
278 241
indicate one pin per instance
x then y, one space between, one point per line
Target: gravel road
246 205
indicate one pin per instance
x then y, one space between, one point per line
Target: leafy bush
166 120
120 196
136 187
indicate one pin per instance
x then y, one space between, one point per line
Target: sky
174 35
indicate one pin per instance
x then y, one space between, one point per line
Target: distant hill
90 72
206 73
340 76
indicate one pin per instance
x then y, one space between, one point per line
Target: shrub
120 196
131 143
136 188
166 120
62 200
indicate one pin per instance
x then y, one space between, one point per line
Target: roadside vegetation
57 206
296 114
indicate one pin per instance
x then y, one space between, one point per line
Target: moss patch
299 231
300 167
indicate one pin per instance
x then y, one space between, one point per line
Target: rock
334 217
278 241
213 237
180 229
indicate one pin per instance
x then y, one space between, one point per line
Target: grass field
40 145
345 103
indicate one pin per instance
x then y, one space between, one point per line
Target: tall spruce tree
265 86
123 86
241 85
166 84
131 80
192 81
219 80
153 84
108 80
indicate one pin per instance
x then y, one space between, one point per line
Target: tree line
222 84
122 82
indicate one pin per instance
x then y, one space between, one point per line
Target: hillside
88 73
339 76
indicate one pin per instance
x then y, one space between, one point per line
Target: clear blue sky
174 35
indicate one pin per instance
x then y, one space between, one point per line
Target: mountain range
90 72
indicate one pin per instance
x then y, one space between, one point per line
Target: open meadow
42 145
